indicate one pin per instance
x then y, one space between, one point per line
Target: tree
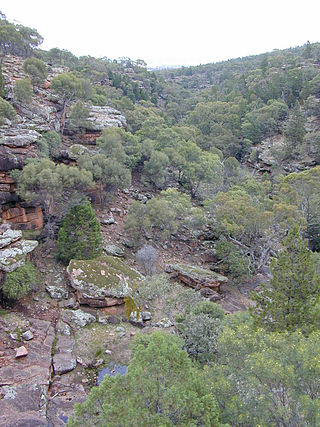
155 169
78 118
200 330
265 379
79 236
36 69
23 91
69 88
54 187
289 303
295 130
161 388
302 190
108 173
162 216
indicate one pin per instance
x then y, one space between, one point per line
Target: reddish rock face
24 218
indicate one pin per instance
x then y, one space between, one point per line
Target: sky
169 32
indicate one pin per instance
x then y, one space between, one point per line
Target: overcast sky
169 32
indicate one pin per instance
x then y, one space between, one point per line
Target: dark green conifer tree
289 303
79 236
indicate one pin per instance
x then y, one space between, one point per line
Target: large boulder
78 318
19 138
101 282
197 277
104 117
9 236
14 256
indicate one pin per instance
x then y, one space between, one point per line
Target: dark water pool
112 370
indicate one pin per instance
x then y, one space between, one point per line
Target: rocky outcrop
101 282
14 249
19 137
196 277
104 117
24 381
24 218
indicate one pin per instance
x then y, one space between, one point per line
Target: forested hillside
183 202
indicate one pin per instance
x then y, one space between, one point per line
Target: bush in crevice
19 282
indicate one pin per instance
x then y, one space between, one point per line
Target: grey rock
108 221
57 293
101 282
128 243
63 328
64 359
136 319
21 352
72 303
164 323
104 117
119 329
19 138
103 320
27 335
114 250
15 256
146 315
82 318
9 236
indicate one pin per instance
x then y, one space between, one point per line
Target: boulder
136 319
80 318
76 150
19 138
146 315
9 236
113 250
104 117
14 256
108 221
101 282
57 293
27 335
164 323
197 277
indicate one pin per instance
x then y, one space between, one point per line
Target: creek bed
112 370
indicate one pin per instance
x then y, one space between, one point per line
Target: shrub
79 236
36 69
211 309
49 144
19 282
6 111
23 91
